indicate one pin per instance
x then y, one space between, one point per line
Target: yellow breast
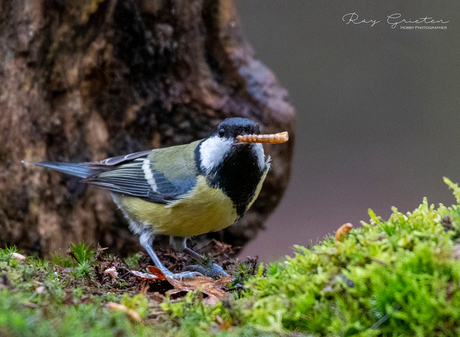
201 210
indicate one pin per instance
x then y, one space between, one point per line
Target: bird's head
237 141
223 142
231 128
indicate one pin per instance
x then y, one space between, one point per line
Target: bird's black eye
221 132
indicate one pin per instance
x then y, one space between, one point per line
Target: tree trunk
86 80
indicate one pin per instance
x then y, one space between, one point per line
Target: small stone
18 256
41 290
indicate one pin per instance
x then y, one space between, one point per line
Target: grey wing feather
81 170
128 179
85 170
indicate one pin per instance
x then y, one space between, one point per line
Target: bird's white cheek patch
212 152
260 155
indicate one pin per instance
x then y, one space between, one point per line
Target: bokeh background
378 111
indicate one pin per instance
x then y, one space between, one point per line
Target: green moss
133 261
93 319
138 303
404 281
192 310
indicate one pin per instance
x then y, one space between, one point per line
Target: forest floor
395 277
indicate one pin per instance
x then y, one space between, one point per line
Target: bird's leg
146 240
213 270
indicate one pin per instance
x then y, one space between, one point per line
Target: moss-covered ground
395 277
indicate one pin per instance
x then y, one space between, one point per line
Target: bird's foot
214 270
182 275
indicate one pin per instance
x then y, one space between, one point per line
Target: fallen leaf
342 232
207 285
157 272
120 307
223 282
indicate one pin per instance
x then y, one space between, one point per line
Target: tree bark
86 80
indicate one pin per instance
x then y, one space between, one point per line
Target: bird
184 190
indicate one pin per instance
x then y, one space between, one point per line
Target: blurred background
378 110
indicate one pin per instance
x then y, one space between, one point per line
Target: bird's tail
82 170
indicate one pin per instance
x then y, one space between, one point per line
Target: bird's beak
274 138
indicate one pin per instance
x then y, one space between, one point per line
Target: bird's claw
213 271
182 275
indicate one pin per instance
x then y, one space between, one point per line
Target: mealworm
275 138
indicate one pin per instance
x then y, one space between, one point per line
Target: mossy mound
399 277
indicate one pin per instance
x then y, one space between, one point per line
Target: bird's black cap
232 127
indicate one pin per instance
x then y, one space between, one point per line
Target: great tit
184 190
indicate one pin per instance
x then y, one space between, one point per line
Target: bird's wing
158 176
